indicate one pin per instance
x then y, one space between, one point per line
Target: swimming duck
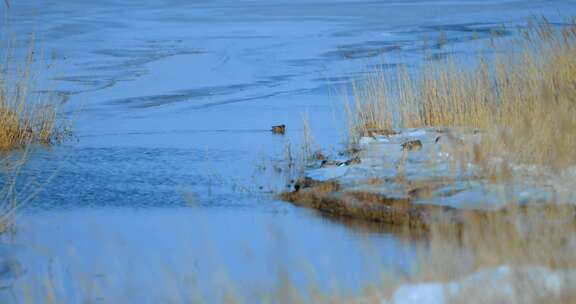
279 129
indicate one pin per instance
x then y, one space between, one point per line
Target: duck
279 129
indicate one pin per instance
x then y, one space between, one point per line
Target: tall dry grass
522 98
534 244
26 117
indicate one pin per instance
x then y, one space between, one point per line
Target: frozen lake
161 199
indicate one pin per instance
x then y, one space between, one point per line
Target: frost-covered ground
438 169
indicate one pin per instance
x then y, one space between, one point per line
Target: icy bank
407 176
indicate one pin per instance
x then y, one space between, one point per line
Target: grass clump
523 100
26 117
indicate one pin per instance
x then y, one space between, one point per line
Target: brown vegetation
25 116
522 101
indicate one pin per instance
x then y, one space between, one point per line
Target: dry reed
26 117
523 100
